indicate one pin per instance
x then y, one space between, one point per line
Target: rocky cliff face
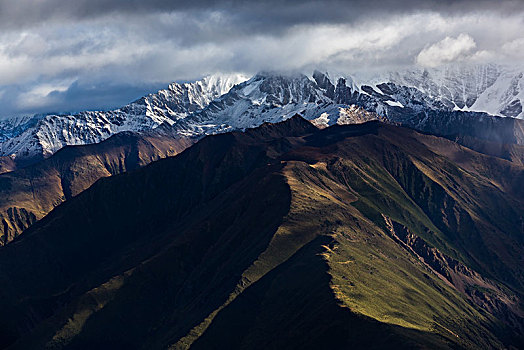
482 291
7 164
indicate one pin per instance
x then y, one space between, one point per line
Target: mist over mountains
58 57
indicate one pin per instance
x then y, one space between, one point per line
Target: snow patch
395 104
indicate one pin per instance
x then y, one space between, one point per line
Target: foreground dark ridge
285 236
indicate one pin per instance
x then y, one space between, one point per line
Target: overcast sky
64 55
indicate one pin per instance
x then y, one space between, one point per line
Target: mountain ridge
174 263
49 133
30 193
425 100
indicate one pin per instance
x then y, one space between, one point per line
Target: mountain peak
294 126
224 102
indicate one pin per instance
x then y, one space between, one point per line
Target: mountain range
442 100
41 136
283 236
279 211
164 123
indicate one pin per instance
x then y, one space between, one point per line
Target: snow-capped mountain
12 127
269 97
50 133
490 88
266 97
275 97
180 100
436 101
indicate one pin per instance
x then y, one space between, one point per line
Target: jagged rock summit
442 101
44 135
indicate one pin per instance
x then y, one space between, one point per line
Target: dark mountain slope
458 124
508 151
282 236
26 195
301 287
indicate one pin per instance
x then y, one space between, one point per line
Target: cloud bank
447 50
58 55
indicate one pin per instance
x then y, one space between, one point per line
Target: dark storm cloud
107 95
253 14
91 96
